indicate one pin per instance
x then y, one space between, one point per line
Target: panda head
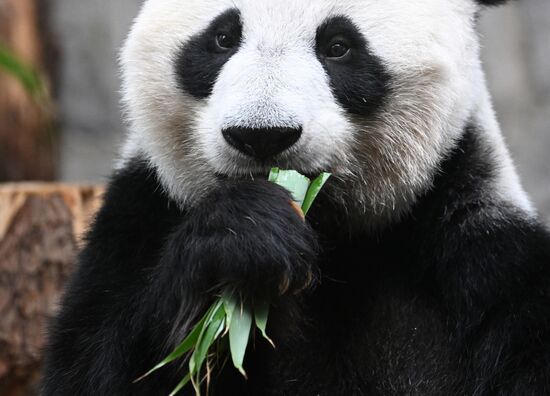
375 92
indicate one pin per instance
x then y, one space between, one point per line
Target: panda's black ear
491 3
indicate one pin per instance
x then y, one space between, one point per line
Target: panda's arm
492 269
105 312
148 269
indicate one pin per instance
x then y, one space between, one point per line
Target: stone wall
517 60
89 34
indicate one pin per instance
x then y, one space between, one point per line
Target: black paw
247 235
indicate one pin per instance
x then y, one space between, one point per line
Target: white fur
276 80
383 163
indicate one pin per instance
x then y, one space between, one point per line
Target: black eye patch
359 79
200 60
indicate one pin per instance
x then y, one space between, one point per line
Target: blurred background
60 121
77 44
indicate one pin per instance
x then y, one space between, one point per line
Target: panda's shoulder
466 219
135 209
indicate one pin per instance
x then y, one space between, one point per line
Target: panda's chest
398 348
386 346
369 329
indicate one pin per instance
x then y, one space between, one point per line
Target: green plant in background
24 73
34 85
229 321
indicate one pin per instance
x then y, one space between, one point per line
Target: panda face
374 91
267 96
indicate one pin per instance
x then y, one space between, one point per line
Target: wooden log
40 229
28 139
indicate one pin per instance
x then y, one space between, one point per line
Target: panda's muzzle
261 143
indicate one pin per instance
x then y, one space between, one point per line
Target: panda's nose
261 143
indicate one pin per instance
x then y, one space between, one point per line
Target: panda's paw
249 236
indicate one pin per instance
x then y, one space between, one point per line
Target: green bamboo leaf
261 313
26 75
180 386
230 304
215 309
296 183
213 328
205 338
273 175
239 333
314 190
202 351
188 343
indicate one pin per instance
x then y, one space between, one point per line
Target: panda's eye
337 50
225 41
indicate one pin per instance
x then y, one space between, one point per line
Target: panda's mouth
238 165
263 175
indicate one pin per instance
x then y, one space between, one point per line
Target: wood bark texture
28 145
40 229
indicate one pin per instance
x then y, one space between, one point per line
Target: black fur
492 2
148 267
200 60
359 80
453 300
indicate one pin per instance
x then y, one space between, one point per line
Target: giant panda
422 268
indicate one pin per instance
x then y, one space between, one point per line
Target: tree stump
40 229
28 140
